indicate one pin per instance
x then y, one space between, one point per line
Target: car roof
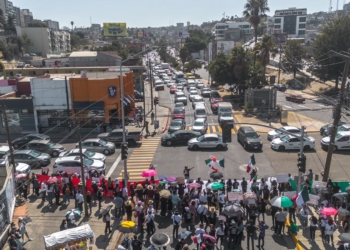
24 151
92 139
198 97
178 108
179 92
290 127
40 141
177 120
179 103
211 135
345 125
76 150
344 133
68 158
247 129
200 120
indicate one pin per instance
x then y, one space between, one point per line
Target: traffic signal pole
301 154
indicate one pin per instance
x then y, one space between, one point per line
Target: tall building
221 28
52 24
27 16
291 21
3 4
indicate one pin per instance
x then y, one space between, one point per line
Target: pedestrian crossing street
140 159
213 129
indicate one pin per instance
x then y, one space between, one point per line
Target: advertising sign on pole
114 29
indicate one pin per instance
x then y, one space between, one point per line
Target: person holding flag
251 170
213 163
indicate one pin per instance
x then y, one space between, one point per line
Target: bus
179 75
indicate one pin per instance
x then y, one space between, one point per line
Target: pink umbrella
171 178
211 238
19 176
52 180
194 185
329 211
149 173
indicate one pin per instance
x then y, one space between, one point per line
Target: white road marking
302 106
288 107
321 105
115 164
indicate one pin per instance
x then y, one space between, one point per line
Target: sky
153 13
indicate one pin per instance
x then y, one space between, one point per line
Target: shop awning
69 235
88 105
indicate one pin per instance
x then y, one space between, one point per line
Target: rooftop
83 54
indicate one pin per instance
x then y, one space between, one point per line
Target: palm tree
255 10
239 61
72 23
264 49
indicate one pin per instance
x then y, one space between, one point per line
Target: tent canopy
68 235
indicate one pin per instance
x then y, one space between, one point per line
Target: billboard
114 29
140 34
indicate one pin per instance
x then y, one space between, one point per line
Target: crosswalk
140 159
213 129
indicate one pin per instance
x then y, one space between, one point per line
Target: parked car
98 145
86 153
289 142
116 136
295 98
180 105
197 100
46 146
205 92
192 94
4 150
343 127
249 138
32 54
138 96
176 124
173 89
214 104
21 142
32 157
178 113
180 97
207 141
280 87
200 125
214 94
341 142
180 137
329 125
276 133
72 164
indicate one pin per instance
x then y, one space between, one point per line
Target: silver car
200 125
199 84
71 164
86 153
98 145
32 158
180 97
196 100
192 94
207 141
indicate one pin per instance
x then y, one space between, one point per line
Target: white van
200 111
224 107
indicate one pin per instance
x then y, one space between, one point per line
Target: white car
200 125
170 83
192 88
86 153
276 133
207 141
199 84
196 100
192 94
289 142
71 164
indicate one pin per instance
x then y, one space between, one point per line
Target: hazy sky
154 13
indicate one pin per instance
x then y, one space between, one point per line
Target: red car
295 98
214 104
179 113
173 89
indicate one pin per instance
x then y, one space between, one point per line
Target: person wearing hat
212 216
138 208
136 244
128 209
176 218
150 192
186 172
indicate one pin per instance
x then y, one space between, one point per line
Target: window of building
302 19
277 26
302 26
34 73
290 25
278 20
301 32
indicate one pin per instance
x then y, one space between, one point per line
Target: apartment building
52 24
291 21
27 16
221 28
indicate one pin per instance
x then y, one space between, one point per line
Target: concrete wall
40 38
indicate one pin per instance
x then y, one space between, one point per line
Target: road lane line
115 164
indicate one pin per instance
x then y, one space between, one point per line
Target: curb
167 121
294 237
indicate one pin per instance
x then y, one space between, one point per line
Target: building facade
94 59
27 17
222 28
54 25
291 21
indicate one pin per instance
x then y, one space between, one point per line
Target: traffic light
124 147
155 101
301 163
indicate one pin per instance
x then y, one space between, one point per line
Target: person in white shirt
323 220
203 198
176 223
107 220
80 200
221 199
43 191
304 215
151 229
202 211
330 227
199 233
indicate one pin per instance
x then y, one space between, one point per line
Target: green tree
255 11
256 76
239 61
10 22
219 69
2 20
293 54
265 48
37 24
74 40
184 55
80 34
26 42
194 44
334 36
193 65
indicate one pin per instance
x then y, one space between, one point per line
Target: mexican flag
303 197
251 163
210 163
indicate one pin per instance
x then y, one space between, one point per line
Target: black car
249 138
324 129
138 96
214 94
21 142
180 137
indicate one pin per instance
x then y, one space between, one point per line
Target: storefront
99 100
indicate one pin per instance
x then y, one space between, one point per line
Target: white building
220 28
52 24
291 21
46 41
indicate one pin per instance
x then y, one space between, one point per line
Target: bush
320 89
248 107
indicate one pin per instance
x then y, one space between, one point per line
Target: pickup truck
116 136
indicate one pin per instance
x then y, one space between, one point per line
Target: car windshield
226 115
285 138
179 104
51 144
206 89
200 112
194 92
338 136
88 161
102 142
252 135
89 153
180 95
198 124
175 124
279 130
342 128
178 111
201 138
174 134
34 153
198 100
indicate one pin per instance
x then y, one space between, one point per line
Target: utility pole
337 115
8 137
123 122
82 173
150 83
67 100
301 153
279 65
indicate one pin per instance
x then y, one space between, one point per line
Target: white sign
319 184
222 218
251 201
233 196
282 178
313 199
290 194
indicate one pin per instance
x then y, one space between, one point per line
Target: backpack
126 242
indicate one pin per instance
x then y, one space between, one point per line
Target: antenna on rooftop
330 6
